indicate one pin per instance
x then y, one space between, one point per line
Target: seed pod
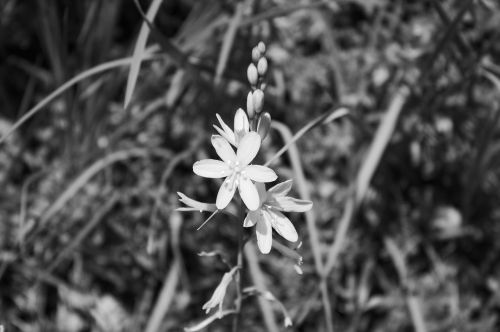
262 66
256 54
258 100
250 106
263 125
252 75
262 48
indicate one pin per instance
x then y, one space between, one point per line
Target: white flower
241 128
268 215
236 169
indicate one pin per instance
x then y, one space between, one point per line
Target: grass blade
87 73
139 51
228 42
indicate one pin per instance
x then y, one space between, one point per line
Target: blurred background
404 231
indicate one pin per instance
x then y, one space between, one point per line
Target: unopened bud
250 107
262 66
262 48
256 54
252 74
258 100
263 125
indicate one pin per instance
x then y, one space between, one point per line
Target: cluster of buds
256 73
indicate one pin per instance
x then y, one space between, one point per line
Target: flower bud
250 107
263 125
252 74
256 54
262 66
258 100
262 48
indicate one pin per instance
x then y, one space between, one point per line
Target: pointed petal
241 125
248 148
260 173
290 204
282 225
225 127
221 132
211 168
223 148
226 193
248 193
281 189
253 217
264 236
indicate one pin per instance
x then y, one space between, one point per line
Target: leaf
139 51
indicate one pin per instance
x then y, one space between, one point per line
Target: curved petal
223 148
253 217
226 192
248 193
290 204
211 168
260 173
221 132
248 148
226 128
282 225
241 125
264 236
281 189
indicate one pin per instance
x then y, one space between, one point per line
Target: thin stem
239 293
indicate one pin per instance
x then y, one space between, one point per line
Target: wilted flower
236 169
219 293
241 128
268 214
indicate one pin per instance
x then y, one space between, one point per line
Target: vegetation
106 105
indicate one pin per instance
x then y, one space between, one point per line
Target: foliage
403 233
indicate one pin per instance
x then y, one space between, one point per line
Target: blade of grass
228 42
139 49
172 278
167 294
78 78
92 170
365 174
412 300
310 217
258 280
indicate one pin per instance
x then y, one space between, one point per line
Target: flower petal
226 128
290 204
194 205
281 189
253 217
211 168
223 148
248 148
282 225
260 173
264 236
241 125
248 193
221 132
226 192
